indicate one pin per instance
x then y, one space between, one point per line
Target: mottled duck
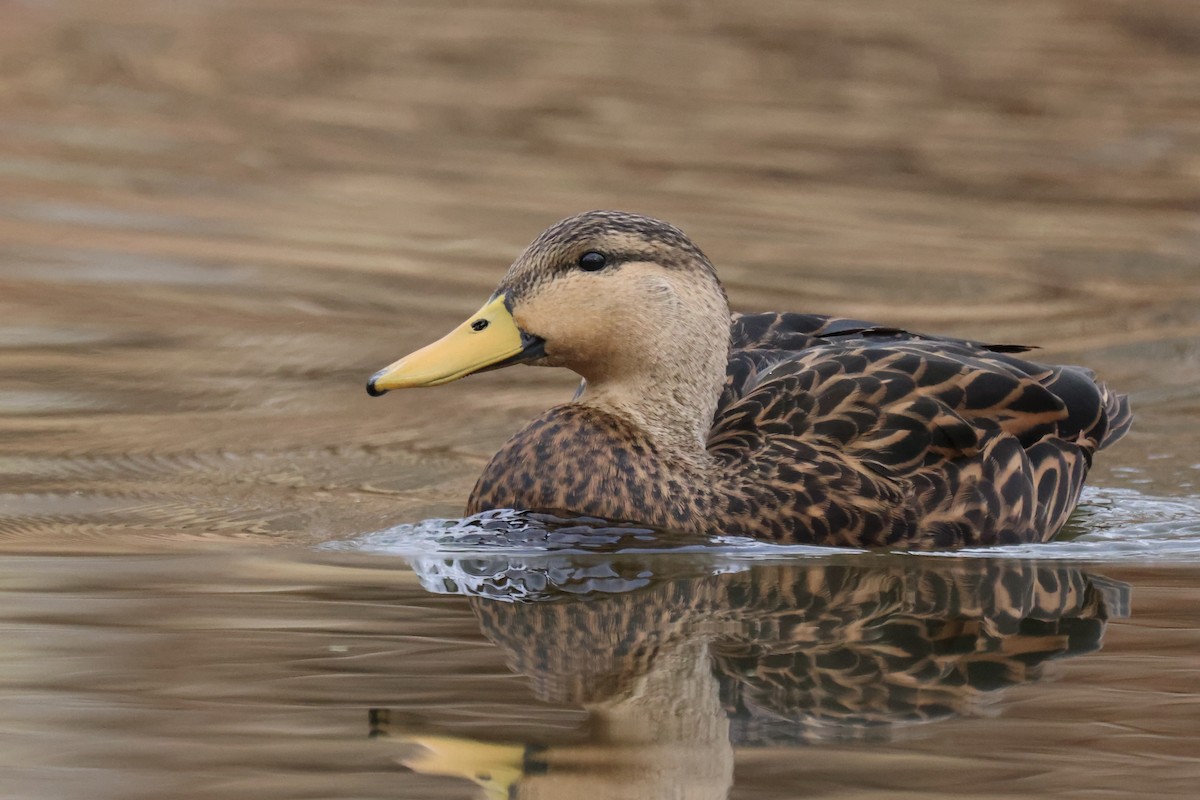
785 427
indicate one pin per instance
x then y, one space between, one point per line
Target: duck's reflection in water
676 670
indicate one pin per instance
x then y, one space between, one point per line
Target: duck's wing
994 447
764 342
787 331
760 340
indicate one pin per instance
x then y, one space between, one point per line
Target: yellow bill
494 767
489 338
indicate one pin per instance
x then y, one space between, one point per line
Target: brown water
217 219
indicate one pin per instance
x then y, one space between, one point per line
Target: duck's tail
1120 418
1096 415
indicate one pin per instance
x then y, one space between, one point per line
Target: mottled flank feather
993 448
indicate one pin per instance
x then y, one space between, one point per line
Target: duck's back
889 437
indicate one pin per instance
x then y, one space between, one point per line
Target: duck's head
626 301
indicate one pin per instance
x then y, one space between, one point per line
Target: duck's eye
592 261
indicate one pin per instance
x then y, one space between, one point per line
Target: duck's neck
657 353
675 415
669 383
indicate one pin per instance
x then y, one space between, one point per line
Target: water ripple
1112 525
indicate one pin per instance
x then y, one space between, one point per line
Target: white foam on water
1111 525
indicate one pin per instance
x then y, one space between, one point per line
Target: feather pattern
836 431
